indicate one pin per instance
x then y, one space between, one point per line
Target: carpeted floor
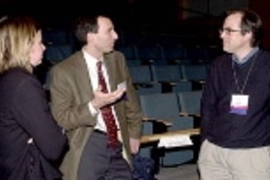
183 172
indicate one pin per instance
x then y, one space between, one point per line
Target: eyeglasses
229 31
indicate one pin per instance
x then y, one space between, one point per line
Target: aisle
184 172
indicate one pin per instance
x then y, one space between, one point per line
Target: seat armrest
163 121
156 137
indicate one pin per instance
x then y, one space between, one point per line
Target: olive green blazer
71 91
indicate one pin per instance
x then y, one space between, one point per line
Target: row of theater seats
61 42
143 55
158 54
170 112
149 79
170 95
132 37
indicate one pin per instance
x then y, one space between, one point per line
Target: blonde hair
16 39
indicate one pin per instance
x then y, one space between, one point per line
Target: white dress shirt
91 63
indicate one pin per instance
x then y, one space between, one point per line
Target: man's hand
102 99
134 145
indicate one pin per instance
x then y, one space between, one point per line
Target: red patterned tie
107 111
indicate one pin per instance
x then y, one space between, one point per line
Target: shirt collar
247 57
92 61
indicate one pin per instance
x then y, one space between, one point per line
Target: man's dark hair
251 22
85 24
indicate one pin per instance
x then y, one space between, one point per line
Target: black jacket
25 114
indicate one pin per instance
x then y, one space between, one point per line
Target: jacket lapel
82 75
113 80
109 63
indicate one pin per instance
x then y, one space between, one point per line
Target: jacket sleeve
32 113
69 108
209 103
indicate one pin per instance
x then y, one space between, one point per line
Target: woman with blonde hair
31 142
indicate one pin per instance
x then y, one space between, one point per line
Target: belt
100 132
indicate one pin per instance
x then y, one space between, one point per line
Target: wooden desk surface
157 137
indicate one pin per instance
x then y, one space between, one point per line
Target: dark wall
141 12
126 11
262 8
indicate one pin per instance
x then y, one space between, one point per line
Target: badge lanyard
239 102
241 89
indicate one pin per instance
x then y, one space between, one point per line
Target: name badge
239 104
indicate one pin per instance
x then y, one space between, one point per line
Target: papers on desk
175 141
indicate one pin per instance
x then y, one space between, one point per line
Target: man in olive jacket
77 101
